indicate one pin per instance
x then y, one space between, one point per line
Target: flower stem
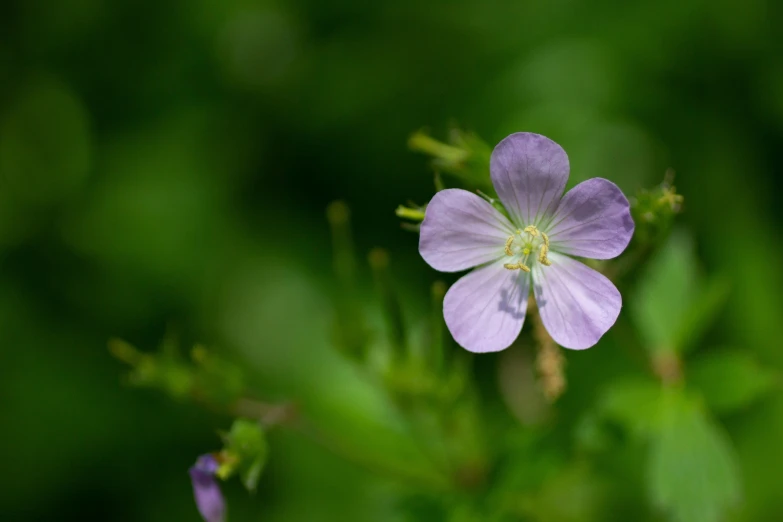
549 362
288 416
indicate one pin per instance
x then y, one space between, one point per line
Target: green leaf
573 494
666 293
693 473
251 473
730 380
674 306
247 444
702 313
633 404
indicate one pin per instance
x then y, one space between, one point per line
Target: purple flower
485 309
209 499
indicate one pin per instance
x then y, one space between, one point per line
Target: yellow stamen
532 230
517 266
542 255
544 250
527 248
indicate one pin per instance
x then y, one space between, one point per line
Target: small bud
465 156
339 215
350 334
125 352
378 259
209 499
422 142
414 214
379 262
439 292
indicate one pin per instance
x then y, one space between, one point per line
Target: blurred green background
165 166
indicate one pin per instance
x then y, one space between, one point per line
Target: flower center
525 243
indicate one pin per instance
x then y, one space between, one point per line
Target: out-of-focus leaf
165 371
673 306
634 404
666 293
414 507
519 388
591 434
702 313
528 461
211 380
247 444
730 380
573 494
218 381
252 473
693 475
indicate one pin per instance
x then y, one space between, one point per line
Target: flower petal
485 309
209 499
460 230
577 304
529 172
593 220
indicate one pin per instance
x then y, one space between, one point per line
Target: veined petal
577 304
593 220
529 172
460 230
485 310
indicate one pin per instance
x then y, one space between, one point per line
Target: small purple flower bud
209 499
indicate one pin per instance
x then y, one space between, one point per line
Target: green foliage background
166 166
